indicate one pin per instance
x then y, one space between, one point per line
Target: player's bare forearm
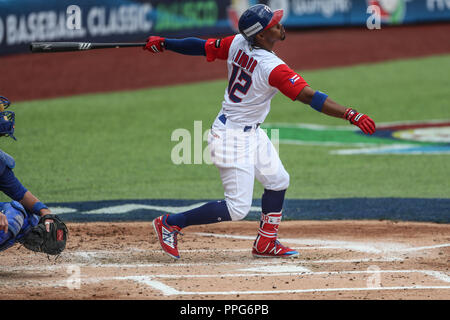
333 109
29 200
321 102
329 107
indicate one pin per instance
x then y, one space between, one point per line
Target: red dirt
338 260
34 76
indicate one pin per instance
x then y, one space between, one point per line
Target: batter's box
297 282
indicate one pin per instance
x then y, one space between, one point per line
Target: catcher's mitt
48 236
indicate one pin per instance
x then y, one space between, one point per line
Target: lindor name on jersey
255 75
244 61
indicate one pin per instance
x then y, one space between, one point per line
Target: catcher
25 219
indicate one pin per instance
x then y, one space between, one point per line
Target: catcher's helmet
4 103
7 119
256 19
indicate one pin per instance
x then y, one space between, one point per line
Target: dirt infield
33 76
339 260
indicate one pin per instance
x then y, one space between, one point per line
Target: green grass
118 145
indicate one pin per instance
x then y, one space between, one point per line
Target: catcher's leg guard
15 214
266 244
29 222
7 240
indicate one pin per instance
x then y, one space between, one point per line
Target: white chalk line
167 290
378 247
274 261
438 275
267 272
304 290
158 285
444 245
94 254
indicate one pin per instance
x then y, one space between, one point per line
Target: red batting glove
155 44
364 122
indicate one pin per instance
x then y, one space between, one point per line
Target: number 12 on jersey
243 83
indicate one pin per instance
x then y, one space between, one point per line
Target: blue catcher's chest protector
19 223
6 161
7 120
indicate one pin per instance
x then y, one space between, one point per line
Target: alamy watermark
73 20
189 149
374 20
73 282
227 147
374 280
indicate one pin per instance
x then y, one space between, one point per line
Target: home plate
277 269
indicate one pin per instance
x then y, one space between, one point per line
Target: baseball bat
36 47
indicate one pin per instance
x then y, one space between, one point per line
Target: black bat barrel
36 47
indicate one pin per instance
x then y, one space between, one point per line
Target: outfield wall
401 209
38 76
25 21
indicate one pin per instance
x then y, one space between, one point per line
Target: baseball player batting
255 75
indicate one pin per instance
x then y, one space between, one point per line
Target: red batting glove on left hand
155 44
364 122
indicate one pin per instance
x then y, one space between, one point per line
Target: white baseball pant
241 156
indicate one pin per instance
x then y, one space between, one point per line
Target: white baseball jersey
254 77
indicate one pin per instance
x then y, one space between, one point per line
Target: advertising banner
317 13
25 21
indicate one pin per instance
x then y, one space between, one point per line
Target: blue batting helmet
256 19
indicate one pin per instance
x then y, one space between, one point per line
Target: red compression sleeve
287 81
218 48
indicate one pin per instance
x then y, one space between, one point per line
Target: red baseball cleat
272 248
266 244
167 236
